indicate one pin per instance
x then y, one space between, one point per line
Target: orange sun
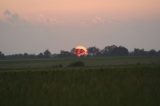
80 51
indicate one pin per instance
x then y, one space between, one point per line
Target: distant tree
108 50
158 53
122 51
47 53
2 55
92 51
65 53
139 52
152 52
25 55
113 50
40 55
72 50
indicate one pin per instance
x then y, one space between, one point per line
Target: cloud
11 17
47 19
7 13
98 20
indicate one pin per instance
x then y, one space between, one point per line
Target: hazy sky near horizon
35 25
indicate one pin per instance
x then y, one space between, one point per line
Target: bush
77 64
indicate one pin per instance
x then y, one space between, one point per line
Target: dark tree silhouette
2 55
47 53
152 52
108 49
121 51
72 50
139 52
26 55
93 51
65 53
40 55
113 50
158 53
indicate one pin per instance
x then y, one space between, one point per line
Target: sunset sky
35 25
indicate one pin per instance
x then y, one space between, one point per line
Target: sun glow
81 51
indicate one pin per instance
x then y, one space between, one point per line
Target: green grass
110 81
39 64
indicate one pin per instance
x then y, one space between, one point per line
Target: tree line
111 50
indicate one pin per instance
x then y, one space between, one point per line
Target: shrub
77 64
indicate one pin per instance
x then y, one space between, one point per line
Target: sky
33 26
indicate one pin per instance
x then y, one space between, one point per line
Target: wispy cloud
98 20
12 17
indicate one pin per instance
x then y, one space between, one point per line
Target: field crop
110 81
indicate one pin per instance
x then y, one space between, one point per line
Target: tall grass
132 85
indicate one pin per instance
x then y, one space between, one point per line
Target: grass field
104 81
